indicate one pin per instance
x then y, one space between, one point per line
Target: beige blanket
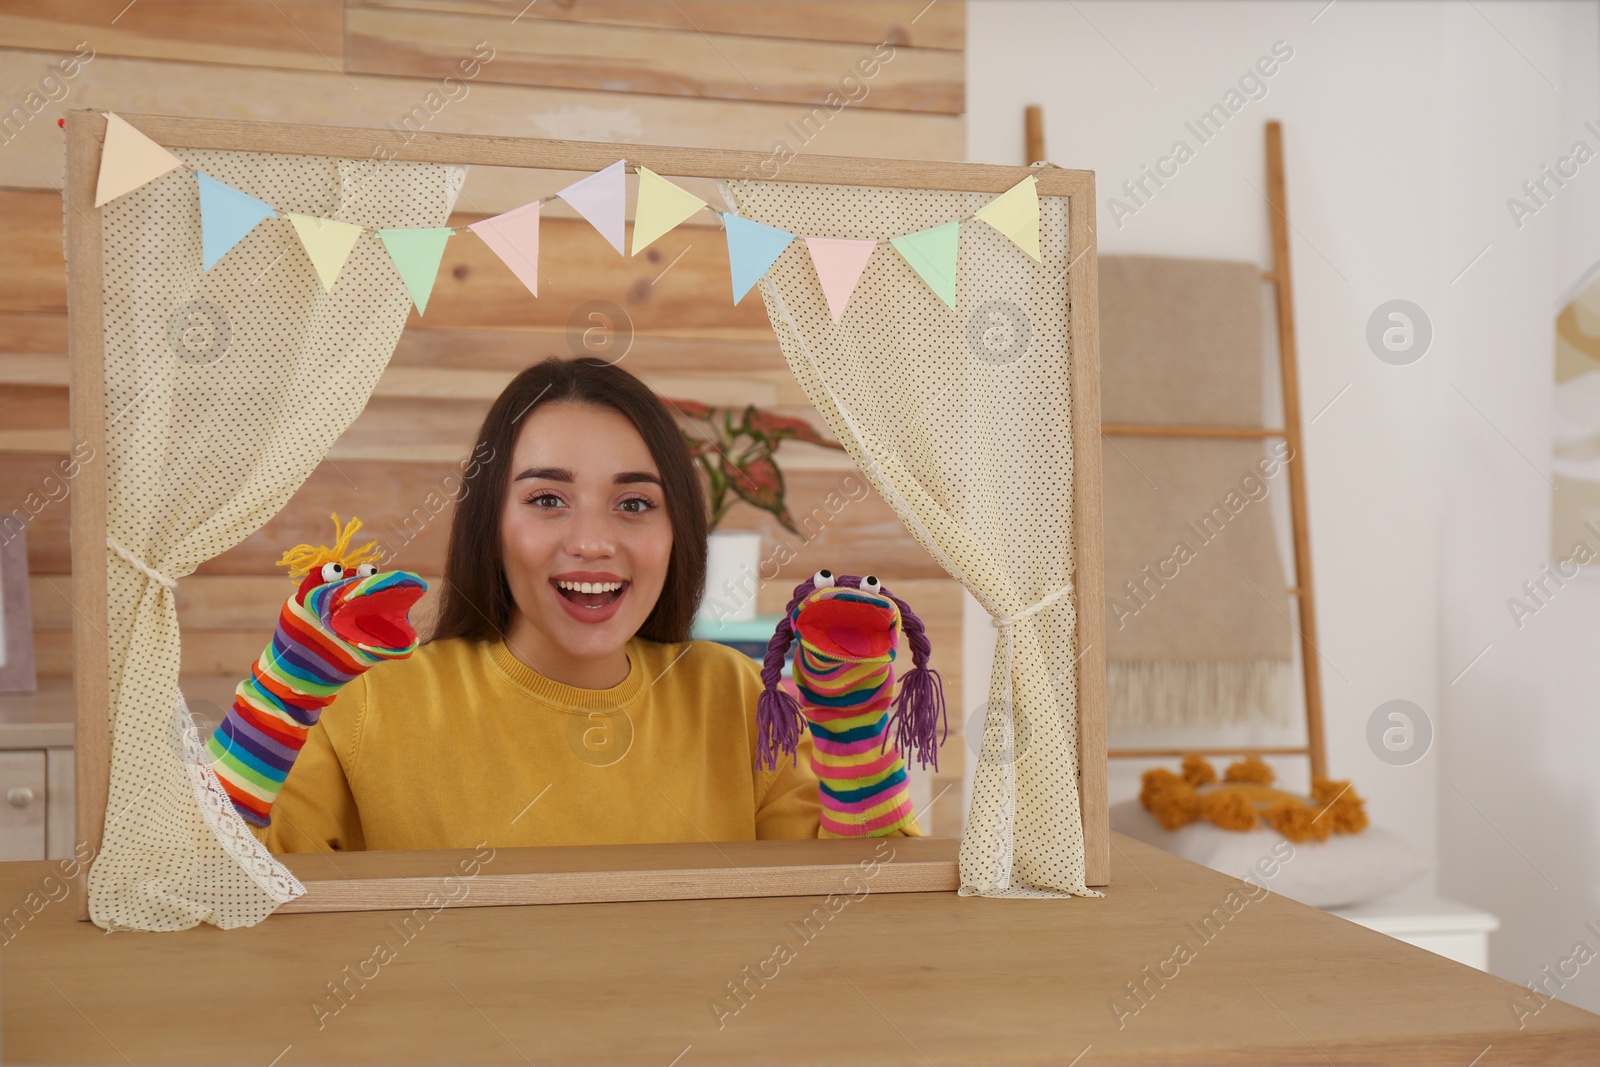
1197 609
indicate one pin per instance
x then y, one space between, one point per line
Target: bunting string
129 160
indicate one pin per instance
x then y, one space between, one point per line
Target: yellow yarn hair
303 559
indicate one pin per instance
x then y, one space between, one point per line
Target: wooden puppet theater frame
349 881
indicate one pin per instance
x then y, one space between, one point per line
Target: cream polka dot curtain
224 390
961 420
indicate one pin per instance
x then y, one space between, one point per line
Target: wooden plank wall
687 72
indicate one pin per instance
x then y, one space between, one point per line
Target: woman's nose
590 534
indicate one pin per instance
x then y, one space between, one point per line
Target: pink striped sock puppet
346 616
849 630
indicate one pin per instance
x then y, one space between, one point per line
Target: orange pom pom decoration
1246 798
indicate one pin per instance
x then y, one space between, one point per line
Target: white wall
1407 126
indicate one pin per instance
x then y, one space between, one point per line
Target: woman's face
584 506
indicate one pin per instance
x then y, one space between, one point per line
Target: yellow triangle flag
1015 213
128 160
661 206
327 242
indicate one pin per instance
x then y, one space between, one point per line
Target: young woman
559 700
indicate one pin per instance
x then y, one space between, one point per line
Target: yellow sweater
462 743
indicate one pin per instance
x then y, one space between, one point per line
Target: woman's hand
331 631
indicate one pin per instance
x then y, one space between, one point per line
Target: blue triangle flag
226 215
752 248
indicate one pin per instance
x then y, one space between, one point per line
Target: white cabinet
36 773
22 805
1457 931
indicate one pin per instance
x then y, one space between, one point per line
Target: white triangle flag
602 198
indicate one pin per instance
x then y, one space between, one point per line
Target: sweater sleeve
316 811
790 807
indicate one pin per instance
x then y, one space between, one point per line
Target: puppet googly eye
332 572
822 579
366 570
871 584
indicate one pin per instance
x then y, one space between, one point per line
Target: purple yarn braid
920 706
778 718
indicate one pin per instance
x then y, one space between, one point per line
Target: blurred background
1432 156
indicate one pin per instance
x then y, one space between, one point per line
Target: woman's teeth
591 587
591 594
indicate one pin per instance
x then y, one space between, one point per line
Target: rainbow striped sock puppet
346 616
849 630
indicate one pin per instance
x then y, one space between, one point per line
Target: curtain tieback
139 564
1003 622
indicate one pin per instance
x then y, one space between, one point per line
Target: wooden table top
877 978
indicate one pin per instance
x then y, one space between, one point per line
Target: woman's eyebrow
627 477
563 474
548 474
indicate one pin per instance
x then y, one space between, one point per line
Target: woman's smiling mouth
591 596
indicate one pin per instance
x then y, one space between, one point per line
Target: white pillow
1345 869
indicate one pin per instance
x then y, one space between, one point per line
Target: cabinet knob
19 796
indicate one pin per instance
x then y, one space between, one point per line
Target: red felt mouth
378 619
848 627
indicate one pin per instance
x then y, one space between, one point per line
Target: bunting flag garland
660 206
128 160
752 248
602 198
1015 213
416 255
932 254
226 217
327 242
839 263
514 237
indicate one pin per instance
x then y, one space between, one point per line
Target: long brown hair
476 601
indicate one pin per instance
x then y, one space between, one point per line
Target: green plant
736 455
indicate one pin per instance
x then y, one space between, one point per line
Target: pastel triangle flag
416 255
752 248
660 207
226 216
128 160
932 254
602 198
514 237
327 242
839 262
1015 213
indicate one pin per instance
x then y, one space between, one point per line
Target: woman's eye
644 504
543 496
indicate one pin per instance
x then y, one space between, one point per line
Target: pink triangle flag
128 160
839 263
514 237
602 198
